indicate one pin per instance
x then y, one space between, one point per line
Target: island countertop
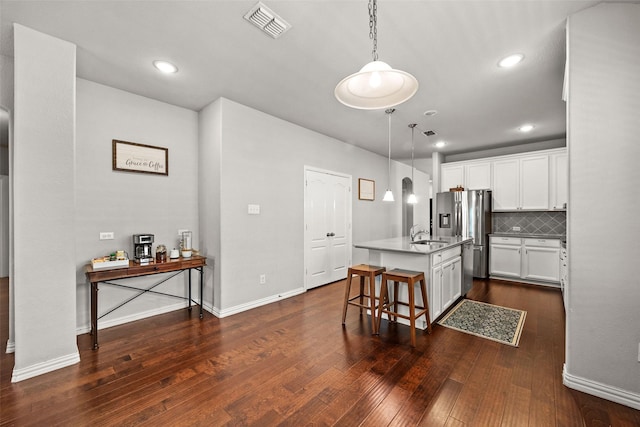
418 247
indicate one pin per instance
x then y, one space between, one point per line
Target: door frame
306 233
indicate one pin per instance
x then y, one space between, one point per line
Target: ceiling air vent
429 133
268 21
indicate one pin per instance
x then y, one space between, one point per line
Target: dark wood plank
293 363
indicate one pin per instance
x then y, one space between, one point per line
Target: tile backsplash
530 222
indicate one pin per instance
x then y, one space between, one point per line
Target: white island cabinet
441 262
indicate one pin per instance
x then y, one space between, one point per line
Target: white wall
210 206
4 226
44 200
603 319
129 203
6 102
261 161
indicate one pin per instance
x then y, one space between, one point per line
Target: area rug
489 321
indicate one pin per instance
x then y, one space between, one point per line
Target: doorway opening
407 208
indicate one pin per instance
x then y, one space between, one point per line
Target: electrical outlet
515 228
107 235
253 209
263 279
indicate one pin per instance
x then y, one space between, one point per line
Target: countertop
562 237
406 245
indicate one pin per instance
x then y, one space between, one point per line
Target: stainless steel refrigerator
468 214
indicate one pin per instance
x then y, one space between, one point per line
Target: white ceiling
451 47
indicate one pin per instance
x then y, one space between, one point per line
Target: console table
105 275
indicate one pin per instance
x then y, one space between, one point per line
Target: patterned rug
486 320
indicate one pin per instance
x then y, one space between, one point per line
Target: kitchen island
441 260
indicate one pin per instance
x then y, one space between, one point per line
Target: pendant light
412 197
376 85
388 195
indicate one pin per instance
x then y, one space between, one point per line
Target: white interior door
327 227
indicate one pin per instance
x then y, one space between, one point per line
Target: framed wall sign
140 158
366 189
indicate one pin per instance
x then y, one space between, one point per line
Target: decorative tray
100 263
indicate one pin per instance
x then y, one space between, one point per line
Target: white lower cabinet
541 260
505 256
445 285
451 279
529 259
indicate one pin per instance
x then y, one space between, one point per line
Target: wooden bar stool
410 278
364 271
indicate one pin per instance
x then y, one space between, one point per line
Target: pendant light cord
373 27
412 126
389 112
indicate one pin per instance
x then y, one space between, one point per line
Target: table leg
189 273
94 314
201 289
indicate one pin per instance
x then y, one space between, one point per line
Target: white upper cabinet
506 185
534 181
470 175
521 183
477 175
451 176
559 177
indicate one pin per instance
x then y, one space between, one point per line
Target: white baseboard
45 367
11 346
603 391
254 304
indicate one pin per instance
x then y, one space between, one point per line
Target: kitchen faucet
416 230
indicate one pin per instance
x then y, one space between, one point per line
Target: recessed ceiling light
165 67
511 60
525 128
430 113
439 144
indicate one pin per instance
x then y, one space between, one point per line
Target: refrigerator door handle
458 217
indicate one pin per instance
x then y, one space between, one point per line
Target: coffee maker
142 248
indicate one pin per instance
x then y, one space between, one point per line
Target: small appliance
142 248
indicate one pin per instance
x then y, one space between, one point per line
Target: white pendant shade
388 196
412 199
376 86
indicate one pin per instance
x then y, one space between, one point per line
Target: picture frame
366 189
140 158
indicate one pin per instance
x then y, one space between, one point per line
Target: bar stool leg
383 304
361 294
395 300
347 292
412 311
372 303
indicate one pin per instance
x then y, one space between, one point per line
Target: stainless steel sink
428 242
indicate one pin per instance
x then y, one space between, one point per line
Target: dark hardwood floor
292 363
